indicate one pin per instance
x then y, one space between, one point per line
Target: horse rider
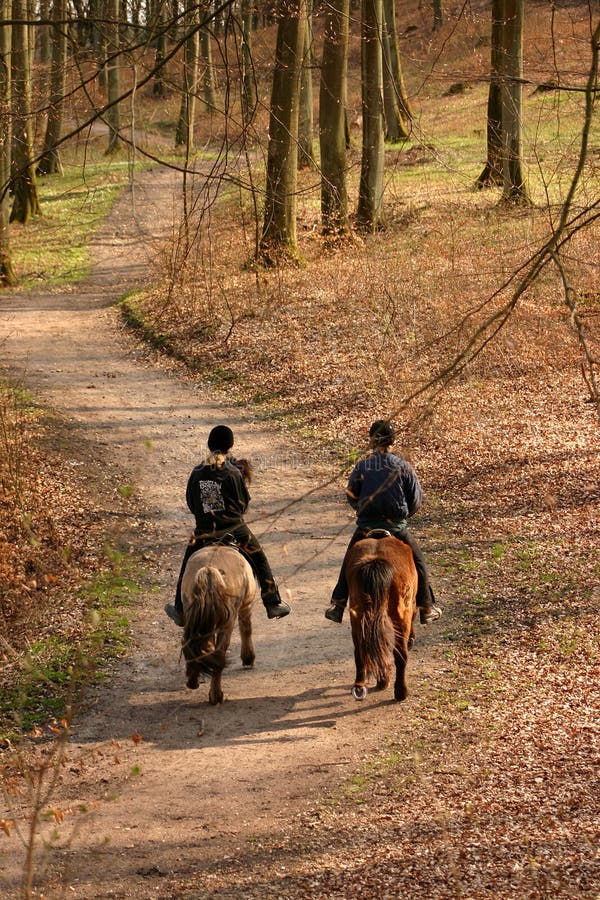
385 492
217 495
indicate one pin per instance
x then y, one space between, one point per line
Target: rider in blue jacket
217 495
385 492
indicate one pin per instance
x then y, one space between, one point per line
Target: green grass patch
55 669
53 248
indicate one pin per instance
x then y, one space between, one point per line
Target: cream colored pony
218 586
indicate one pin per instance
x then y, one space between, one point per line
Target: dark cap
220 439
382 433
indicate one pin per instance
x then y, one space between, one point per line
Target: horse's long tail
375 631
207 614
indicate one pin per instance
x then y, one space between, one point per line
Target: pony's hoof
193 682
359 693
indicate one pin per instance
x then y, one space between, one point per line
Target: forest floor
483 784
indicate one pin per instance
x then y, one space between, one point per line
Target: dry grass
489 788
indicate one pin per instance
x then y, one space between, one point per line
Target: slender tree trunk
279 223
394 66
7 275
332 118
44 34
25 202
512 102
306 155
159 88
248 75
99 10
369 214
184 135
394 126
438 15
208 71
49 163
492 171
113 114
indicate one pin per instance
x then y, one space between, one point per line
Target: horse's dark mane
246 468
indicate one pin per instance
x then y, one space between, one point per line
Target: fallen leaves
6 826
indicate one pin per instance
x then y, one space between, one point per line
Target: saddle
226 540
378 533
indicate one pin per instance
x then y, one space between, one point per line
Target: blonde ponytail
216 458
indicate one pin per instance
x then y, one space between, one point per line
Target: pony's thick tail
375 631
206 615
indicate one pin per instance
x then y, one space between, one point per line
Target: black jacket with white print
217 497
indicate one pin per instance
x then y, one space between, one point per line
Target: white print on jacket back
211 496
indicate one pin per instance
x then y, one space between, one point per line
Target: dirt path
203 782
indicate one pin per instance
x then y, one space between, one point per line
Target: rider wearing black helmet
217 495
385 492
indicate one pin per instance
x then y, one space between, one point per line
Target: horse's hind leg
382 683
215 693
245 624
359 689
411 637
400 659
193 676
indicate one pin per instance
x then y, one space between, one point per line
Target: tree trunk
438 15
306 155
512 102
208 71
491 175
7 275
396 103
99 11
113 77
332 118
159 88
25 201
369 214
248 74
279 223
44 34
184 136
49 163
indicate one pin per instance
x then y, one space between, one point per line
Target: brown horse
382 582
218 586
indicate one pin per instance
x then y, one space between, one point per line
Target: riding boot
339 596
250 548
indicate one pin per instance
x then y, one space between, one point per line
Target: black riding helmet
382 433
220 440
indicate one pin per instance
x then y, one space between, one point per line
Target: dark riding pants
250 548
425 596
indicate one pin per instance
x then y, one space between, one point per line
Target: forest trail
203 784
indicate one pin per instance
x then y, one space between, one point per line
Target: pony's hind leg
215 694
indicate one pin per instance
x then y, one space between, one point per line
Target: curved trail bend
203 783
